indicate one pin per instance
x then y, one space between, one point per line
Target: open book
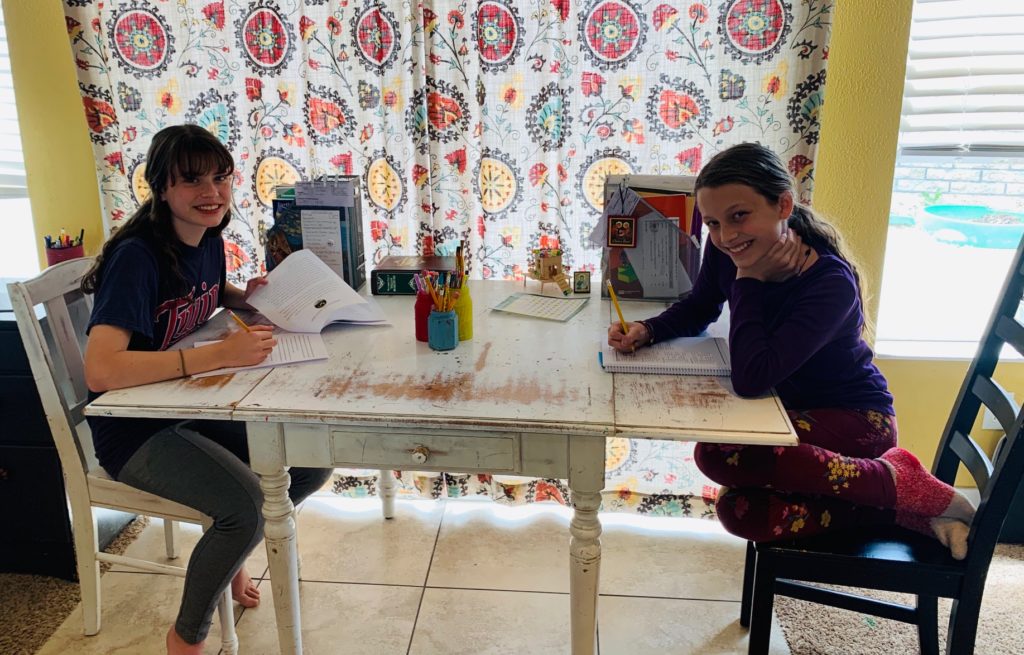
303 294
682 356
291 348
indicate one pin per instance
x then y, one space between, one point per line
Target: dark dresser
36 537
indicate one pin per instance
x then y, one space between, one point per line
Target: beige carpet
813 629
34 606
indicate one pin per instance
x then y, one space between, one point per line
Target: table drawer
463 452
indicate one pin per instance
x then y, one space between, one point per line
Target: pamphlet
303 294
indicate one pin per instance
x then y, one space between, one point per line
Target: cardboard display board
650 236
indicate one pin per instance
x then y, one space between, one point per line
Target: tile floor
452 577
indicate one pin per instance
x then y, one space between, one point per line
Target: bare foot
178 646
243 590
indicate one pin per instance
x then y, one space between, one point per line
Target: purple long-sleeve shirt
801 336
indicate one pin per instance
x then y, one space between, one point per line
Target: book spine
393 283
355 241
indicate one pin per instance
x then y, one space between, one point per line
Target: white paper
547 307
291 348
367 313
656 257
321 234
303 294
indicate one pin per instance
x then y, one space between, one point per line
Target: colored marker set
63 247
64 240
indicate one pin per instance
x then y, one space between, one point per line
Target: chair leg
386 489
749 573
228 636
963 625
86 546
763 599
172 539
928 624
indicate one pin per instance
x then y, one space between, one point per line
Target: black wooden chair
894 559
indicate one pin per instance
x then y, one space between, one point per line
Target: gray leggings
204 465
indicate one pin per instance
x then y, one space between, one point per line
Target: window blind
965 78
12 165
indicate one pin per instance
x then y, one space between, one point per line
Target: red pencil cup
424 303
58 255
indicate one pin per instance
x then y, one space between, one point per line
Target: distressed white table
525 396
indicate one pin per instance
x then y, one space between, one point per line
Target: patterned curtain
491 122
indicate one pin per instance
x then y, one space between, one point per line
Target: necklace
807 255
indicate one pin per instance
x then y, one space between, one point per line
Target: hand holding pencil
625 336
249 345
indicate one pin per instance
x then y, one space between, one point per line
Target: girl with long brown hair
157 280
796 325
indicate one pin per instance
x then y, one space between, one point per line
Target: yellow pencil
615 301
239 321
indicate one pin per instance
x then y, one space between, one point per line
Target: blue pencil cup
443 330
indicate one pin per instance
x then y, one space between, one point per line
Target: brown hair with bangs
176 152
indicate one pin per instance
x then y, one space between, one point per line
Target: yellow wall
854 171
859 125
58 155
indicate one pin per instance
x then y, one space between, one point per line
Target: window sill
937 350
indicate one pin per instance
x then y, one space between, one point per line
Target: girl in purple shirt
796 323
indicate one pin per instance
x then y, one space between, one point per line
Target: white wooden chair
55 355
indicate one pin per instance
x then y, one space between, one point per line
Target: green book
393 276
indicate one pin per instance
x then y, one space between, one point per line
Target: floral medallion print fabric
448 112
490 122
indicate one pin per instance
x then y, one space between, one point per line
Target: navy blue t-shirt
133 296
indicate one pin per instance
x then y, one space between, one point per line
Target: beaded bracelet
650 333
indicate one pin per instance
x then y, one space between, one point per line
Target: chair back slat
968 404
997 481
973 458
997 400
55 356
1012 332
77 413
66 341
57 280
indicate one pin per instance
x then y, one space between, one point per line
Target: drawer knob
420 454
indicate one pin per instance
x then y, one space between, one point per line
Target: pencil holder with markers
443 330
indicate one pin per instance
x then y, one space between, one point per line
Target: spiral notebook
682 356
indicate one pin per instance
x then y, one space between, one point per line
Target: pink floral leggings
831 481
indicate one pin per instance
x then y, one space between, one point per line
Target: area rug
813 629
34 606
